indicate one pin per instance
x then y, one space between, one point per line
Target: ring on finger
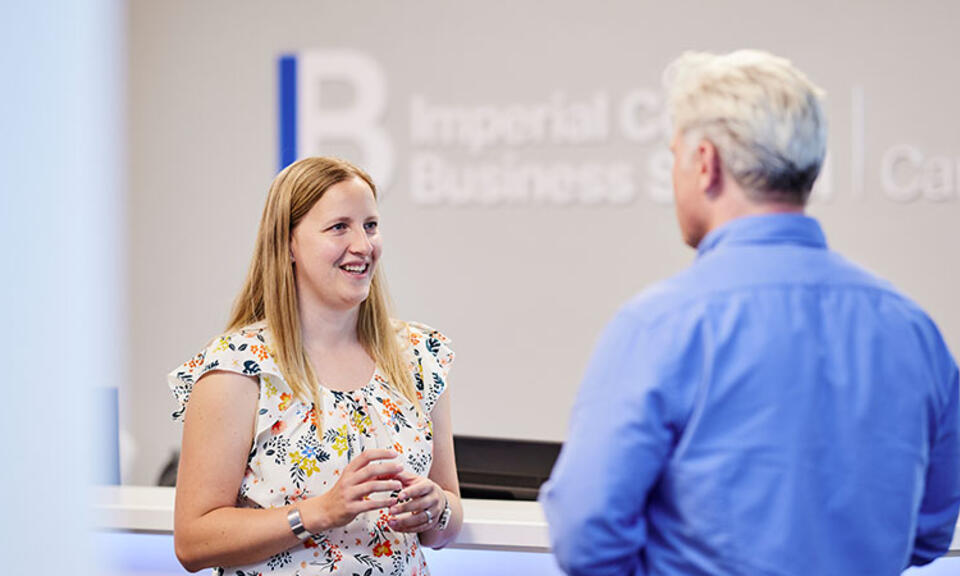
429 516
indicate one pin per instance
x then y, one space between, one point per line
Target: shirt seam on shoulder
649 317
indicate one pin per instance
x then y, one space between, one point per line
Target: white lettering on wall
900 170
641 119
559 120
660 176
908 175
857 140
436 180
520 152
359 123
938 180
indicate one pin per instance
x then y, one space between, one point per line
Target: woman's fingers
373 504
372 471
407 477
417 521
368 456
418 509
415 502
421 527
417 489
367 488
379 469
415 505
374 463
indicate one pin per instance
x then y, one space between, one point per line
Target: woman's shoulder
421 336
430 359
246 351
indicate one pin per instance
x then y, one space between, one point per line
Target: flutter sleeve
431 360
245 352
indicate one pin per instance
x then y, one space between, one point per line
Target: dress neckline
374 377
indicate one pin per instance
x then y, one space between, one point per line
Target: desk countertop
488 524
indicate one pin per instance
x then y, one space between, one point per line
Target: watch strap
444 519
296 525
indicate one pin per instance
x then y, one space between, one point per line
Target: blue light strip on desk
140 554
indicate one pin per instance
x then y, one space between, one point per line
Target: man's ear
710 173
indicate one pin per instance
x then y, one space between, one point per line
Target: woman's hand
372 471
420 504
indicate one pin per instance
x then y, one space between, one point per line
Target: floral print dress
290 461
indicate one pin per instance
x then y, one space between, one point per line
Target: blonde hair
763 115
269 292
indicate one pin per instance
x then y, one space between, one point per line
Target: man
773 409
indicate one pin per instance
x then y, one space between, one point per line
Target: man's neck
736 203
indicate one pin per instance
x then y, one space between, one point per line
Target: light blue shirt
771 410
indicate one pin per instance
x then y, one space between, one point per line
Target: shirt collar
766 229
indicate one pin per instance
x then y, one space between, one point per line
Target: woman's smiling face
336 247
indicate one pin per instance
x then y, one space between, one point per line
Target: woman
317 438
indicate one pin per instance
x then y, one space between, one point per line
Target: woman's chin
355 300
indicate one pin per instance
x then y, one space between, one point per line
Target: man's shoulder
844 274
660 300
729 276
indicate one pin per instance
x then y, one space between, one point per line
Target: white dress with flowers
290 461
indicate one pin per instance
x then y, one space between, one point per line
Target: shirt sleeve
628 415
431 361
941 498
244 352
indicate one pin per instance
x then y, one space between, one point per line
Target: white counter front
498 537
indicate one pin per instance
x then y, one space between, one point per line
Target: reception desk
498 537
135 527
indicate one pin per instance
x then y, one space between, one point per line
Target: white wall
522 288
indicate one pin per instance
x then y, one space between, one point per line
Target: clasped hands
414 505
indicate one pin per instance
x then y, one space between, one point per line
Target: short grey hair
762 114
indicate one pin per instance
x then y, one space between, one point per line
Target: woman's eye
371 226
339 226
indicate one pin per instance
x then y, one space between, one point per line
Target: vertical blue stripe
288 110
107 407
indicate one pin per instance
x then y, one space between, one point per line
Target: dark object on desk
168 476
488 468
497 469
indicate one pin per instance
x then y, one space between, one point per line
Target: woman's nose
360 243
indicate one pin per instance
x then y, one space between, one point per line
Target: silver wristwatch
444 519
296 525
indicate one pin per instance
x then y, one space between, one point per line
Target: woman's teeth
356 269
